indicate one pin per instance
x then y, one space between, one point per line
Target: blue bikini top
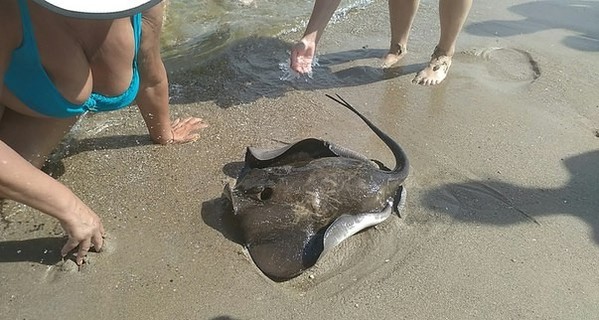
28 81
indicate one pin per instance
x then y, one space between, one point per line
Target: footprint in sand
67 267
500 68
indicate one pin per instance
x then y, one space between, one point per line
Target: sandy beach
502 212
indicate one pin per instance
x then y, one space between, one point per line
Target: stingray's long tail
402 165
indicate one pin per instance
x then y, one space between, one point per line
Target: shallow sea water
194 31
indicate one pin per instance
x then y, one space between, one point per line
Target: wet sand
501 220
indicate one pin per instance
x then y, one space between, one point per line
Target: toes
428 77
421 80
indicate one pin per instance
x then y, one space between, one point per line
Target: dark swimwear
28 81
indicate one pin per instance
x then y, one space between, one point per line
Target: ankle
397 48
441 51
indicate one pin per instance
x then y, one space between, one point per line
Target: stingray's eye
265 194
259 193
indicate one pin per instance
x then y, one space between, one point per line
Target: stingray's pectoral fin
346 152
400 201
284 254
347 225
303 150
262 154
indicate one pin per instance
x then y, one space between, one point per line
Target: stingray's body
295 203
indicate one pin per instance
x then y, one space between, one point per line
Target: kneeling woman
59 59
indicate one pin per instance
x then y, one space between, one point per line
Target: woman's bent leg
32 138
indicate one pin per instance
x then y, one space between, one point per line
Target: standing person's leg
33 138
452 15
401 16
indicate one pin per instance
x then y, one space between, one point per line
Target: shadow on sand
70 147
218 214
499 203
40 250
577 16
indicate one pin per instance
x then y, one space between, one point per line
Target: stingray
294 204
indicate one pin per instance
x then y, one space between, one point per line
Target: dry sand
502 215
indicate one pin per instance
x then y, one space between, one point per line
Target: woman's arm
321 14
152 98
22 182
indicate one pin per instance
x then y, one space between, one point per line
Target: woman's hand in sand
302 55
84 229
186 130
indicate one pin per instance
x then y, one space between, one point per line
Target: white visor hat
97 9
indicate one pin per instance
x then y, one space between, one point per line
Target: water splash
289 74
341 13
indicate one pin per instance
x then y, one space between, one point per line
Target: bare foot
396 53
436 70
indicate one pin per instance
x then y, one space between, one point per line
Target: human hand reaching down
84 230
302 55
